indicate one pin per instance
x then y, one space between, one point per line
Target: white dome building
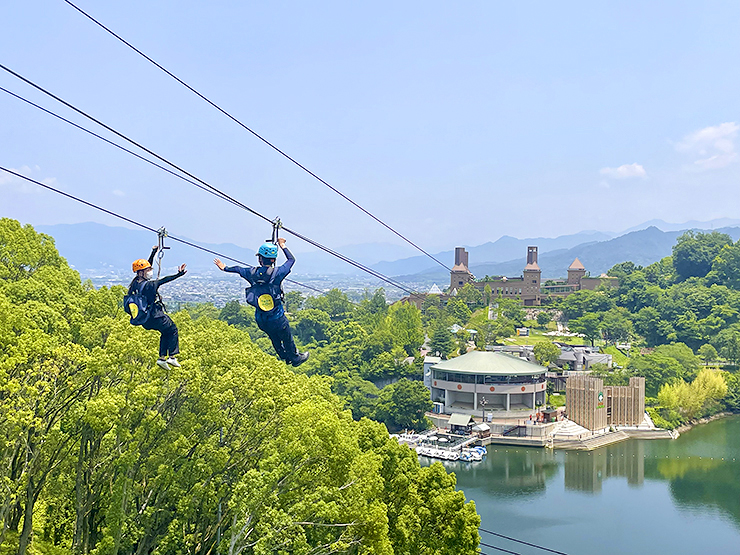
493 381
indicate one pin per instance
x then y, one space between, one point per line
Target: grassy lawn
536 336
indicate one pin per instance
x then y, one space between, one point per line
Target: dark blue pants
169 341
278 330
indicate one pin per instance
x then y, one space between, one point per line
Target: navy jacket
279 274
150 287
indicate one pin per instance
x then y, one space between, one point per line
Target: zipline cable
217 192
521 541
143 226
498 548
257 135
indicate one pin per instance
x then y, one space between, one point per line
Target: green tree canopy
657 369
546 352
121 456
589 325
694 252
441 341
402 405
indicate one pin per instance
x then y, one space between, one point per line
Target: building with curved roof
485 380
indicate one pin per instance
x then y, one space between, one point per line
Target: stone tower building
460 275
576 271
532 278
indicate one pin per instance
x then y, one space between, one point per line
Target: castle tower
575 272
460 275
532 279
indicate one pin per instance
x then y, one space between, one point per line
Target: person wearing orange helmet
169 341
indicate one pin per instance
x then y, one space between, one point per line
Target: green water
661 496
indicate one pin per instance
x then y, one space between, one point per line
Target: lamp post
483 404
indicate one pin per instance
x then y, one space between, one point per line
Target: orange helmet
140 264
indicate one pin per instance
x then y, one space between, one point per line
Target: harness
264 293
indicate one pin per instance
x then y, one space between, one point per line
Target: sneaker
300 359
163 364
173 362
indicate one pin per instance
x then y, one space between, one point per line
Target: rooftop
576 265
491 363
460 268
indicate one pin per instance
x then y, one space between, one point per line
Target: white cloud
119 193
624 171
712 147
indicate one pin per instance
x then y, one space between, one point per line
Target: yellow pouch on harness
266 302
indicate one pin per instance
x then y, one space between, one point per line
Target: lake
639 496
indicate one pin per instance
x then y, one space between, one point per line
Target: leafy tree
402 405
471 296
708 353
335 303
490 332
732 399
293 301
458 311
543 318
661 273
487 295
404 322
652 327
623 269
441 341
546 352
694 252
657 370
512 310
616 325
359 395
236 314
589 325
695 399
728 341
461 339
312 326
203 310
684 355
585 302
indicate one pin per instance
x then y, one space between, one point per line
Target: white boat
472 454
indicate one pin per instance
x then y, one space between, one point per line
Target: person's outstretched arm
244 272
284 270
181 271
155 248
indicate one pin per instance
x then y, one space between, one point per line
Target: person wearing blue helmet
265 294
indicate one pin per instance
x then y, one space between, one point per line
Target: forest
102 451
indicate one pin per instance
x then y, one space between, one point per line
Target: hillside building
527 288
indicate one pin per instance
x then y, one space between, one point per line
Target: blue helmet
268 250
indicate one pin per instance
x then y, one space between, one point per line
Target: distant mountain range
641 247
93 249
503 249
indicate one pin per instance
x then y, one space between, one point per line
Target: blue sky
455 123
